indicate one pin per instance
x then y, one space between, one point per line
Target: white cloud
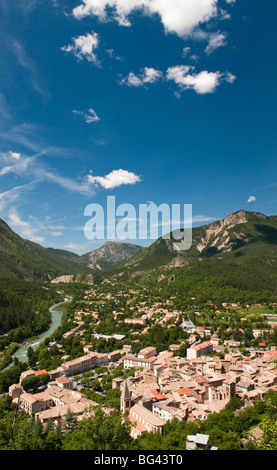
151 75
11 162
147 76
177 16
14 155
9 156
114 179
230 78
83 47
186 50
182 75
251 199
216 40
202 82
112 54
90 116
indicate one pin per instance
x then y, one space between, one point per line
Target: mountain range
24 259
239 234
241 247
233 259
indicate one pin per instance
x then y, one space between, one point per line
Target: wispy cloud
89 116
13 163
214 39
32 167
251 199
14 194
26 229
32 228
202 218
4 108
25 134
22 57
113 55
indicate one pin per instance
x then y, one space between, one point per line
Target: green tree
30 384
101 432
70 421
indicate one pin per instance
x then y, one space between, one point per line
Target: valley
180 336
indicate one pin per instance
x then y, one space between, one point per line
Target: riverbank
56 317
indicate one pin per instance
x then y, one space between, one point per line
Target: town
151 384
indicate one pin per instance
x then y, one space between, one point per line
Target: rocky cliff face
110 254
217 234
229 233
239 234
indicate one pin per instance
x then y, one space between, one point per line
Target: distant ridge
28 260
24 259
243 241
110 254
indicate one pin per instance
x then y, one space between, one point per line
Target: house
15 391
64 382
199 442
142 416
85 363
130 360
147 352
140 321
88 348
201 331
244 386
199 350
35 403
25 374
215 341
167 411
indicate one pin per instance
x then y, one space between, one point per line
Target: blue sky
145 100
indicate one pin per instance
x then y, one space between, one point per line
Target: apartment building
32 404
200 350
84 364
143 420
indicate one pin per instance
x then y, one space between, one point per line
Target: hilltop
110 254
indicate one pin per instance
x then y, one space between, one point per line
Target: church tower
125 400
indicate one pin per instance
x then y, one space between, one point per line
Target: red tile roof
40 372
158 395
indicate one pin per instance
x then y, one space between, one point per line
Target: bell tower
125 400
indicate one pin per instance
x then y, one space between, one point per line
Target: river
56 317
